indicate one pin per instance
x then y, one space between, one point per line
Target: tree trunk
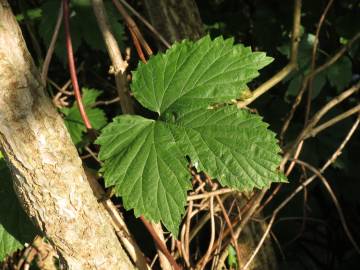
48 175
175 20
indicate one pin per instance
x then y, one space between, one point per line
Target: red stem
137 45
72 67
159 244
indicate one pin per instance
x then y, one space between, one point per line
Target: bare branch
333 121
119 64
292 65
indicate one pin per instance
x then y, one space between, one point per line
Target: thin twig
50 51
137 45
62 89
292 65
146 23
288 171
307 77
164 262
134 30
228 222
336 202
276 240
186 242
209 194
313 57
333 121
160 245
93 155
261 242
316 118
303 185
29 26
254 204
212 236
105 102
72 67
215 261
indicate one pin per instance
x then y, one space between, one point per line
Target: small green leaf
340 73
73 120
15 227
232 257
196 74
295 83
32 14
304 51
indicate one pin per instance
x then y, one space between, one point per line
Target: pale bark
48 175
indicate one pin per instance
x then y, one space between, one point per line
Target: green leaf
304 51
295 83
15 227
146 167
32 14
340 73
145 160
196 74
232 257
73 120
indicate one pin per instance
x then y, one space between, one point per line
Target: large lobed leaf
196 74
145 160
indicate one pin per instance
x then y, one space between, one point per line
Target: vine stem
160 244
72 67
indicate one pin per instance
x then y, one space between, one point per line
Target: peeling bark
48 175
